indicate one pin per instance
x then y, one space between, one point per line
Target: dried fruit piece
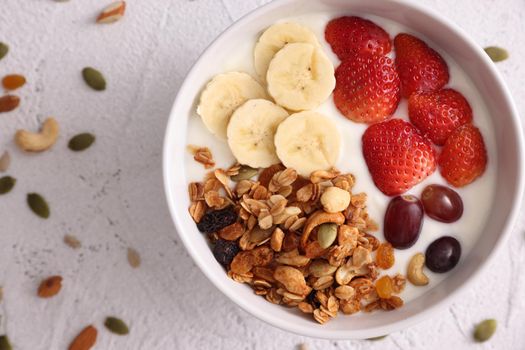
8 103
72 241
385 287
41 141
215 220
13 81
94 79
6 184
485 330
4 49
245 173
38 205
224 251
116 325
385 258
50 287
5 161
133 258
85 339
81 141
5 344
112 13
496 54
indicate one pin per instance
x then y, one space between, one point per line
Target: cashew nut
318 218
415 272
38 142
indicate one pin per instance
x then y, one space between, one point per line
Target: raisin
313 300
8 103
215 220
385 287
224 251
385 258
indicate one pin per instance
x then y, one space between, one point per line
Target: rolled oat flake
4 343
81 142
485 330
497 54
116 325
94 79
6 184
38 205
4 49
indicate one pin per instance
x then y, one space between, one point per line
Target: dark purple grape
403 221
213 221
224 251
443 254
442 203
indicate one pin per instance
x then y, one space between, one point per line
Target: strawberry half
397 155
464 157
350 35
437 114
420 67
367 88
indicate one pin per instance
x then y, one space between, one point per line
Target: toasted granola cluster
298 242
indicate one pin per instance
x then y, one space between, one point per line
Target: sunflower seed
485 330
72 241
38 205
497 54
133 258
81 141
6 184
94 79
116 325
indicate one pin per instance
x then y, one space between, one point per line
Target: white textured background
112 197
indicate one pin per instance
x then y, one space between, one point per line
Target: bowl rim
319 332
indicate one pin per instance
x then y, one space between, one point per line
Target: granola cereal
274 226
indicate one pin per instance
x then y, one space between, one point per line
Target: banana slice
300 77
222 95
308 141
251 132
274 39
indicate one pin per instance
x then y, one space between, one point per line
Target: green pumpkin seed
4 49
326 235
497 54
377 338
245 173
38 205
6 184
94 79
116 325
485 330
4 343
81 141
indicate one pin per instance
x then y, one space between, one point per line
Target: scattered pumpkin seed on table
94 79
81 142
485 330
497 54
6 184
116 325
38 205
4 49
5 344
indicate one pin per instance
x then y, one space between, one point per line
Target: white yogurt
477 197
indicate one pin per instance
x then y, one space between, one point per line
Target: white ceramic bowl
509 178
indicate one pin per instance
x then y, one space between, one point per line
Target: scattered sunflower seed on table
133 258
5 161
72 241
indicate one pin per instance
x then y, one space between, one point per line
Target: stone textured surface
112 198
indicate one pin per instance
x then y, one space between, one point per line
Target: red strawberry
397 155
367 88
436 114
464 156
420 67
351 35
